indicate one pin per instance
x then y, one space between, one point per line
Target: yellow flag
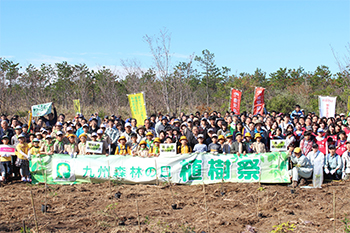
76 106
138 107
30 119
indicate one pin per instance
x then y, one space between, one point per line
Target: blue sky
243 35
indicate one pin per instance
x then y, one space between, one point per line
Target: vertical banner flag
138 107
259 103
76 104
41 109
235 100
30 120
327 106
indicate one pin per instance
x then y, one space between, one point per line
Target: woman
298 133
331 132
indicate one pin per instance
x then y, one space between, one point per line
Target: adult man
163 125
302 168
333 164
5 130
148 127
127 133
238 146
52 117
296 112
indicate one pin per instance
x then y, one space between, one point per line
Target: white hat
59 133
127 124
100 131
94 134
200 136
69 128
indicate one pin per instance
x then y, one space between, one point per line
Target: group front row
316 164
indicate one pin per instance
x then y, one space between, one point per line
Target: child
105 146
14 139
168 140
48 147
22 158
184 148
200 147
31 137
35 150
248 142
122 147
258 146
59 144
133 144
223 147
149 141
154 150
214 147
82 144
143 150
5 161
71 148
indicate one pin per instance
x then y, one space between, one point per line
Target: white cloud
48 59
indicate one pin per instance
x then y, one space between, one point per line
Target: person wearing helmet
302 167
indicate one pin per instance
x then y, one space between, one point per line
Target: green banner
194 168
41 109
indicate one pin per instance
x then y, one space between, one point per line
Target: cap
229 136
143 143
69 129
149 134
127 125
35 140
82 135
257 135
200 136
164 118
320 130
176 121
71 135
99 131
157 140
58 124
48 136
183 138
297 150
210 130
4 137
189 120
94 134
222 137
59 133
122 138
18 127
24 126
85 125
331 147
214 135
21 135
247 135
103 126
239 134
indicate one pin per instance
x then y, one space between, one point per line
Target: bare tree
160 49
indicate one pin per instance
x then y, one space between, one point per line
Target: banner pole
253 101
230 105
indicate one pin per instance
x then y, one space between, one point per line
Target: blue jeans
5 168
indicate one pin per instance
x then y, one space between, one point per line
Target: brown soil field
90 208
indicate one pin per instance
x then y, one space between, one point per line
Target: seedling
346 222
284 227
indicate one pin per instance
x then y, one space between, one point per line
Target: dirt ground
89 208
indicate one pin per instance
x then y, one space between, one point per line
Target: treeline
197 84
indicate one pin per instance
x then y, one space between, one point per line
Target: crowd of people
309 138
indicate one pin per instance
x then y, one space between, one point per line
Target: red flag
235 100
259 103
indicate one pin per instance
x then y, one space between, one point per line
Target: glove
332 171
326 170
